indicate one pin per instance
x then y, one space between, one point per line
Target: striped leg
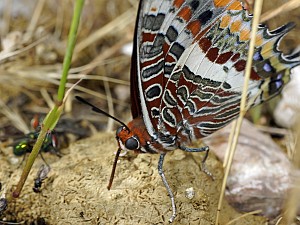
202 149
162 175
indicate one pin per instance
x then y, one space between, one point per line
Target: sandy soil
75 191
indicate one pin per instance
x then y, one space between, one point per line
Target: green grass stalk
54 115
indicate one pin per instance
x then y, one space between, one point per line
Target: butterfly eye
119 130
132 143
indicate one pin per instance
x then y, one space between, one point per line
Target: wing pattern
191 57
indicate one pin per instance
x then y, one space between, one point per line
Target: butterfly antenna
96 109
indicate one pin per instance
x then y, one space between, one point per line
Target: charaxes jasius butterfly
187 74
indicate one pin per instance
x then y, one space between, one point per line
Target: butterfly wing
158 48
136 109
209 75
191 56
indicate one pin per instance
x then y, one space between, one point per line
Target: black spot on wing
169 98
153 92
177 50
194 4
205 16
155 112
153 23
172 34
152 70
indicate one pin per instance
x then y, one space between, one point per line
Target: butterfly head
127 139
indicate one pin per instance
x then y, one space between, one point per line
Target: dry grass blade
292 203
35 17
96 77
68 92
6 17
24 74
242 216
230 139
273 130
119 23
14 117
278 221
293 197
110 121
47 98
100 60
6 55
254 28
96 94
291 5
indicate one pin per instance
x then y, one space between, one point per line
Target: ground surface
76 193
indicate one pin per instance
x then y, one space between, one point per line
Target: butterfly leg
202 149
162 175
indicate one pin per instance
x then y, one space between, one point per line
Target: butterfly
187 74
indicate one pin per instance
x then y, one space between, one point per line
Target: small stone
190 193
